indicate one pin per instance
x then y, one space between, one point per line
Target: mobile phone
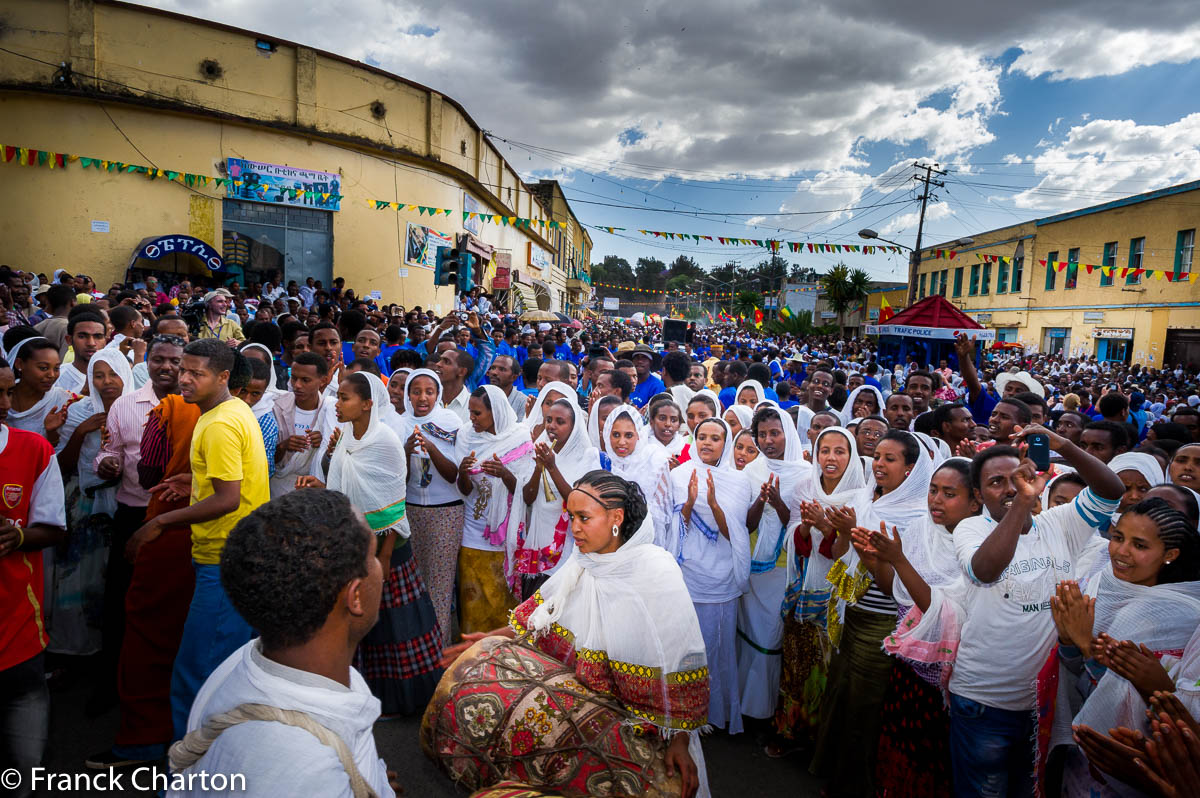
1039 451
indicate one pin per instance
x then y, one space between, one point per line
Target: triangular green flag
380 204
85 162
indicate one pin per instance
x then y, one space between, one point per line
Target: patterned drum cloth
507 711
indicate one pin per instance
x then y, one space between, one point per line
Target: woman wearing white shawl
435 507
75 570
1139 472
540 547
398 657
647 465
266 403
495 457
861 616
550 391
622 599
665 419
704 404
835 481
595 423
738 417
780 466
33 360
753 399
858 403
712 546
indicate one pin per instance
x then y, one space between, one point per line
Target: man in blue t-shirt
648 384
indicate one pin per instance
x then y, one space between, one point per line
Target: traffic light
445 269
466 271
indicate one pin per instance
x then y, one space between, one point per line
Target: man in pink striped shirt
118 457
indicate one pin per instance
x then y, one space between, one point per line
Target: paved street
736 765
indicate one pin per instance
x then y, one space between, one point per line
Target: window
942 287
1110 260
1072 268
1185 242
1018 268
975 279
921 286
1137 248
259 238
1001 276
987 279
1051 273
958 277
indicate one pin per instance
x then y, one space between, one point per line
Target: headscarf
266 402
99 494
593 423
510 442
791 469
681 393
535 413
760 395
716 573
439 426
929 547
1145 464
745 415
633 605
708 396
930 445
371 470
540 545
847 411
119 364
648 466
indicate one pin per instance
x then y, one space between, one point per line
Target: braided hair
1175 532
614 492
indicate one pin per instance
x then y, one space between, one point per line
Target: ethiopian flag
758 317
885 310
785 312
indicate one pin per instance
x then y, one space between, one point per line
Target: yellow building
272 154
573 247
854 320
1114 280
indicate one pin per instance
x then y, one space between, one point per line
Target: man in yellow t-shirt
229 480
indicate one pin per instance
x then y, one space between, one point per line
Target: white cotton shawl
745 415
535 413
1163 618
439 427
634 605
266 403
847 411
708 396
929 548
932 450
371 470
760 395
103 500
510 441
593 423
547 511
682 394
648 466
716 569
1185 672
791 469
1145 464
851 490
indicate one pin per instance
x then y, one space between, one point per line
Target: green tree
845 289
649 273
613 270
799 325
745 302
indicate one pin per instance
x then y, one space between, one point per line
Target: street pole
914 260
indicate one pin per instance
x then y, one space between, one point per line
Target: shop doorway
1182 349
1056 340
260 238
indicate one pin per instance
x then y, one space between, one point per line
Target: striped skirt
399 656
436 535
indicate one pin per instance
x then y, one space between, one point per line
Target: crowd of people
248 508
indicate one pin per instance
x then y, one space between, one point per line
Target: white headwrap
547 535
119 364
648 466
930 445
790 469
715 568
681 393
593 424
510 442
371 470
265 403
760 395
1145 464
439 426
745 415
847 411
535 413
103 499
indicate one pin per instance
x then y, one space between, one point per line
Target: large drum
506 711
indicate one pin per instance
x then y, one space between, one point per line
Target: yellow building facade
1137 303
573 244
188 99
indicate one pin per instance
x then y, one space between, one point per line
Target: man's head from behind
313 547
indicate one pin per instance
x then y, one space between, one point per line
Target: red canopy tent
927 330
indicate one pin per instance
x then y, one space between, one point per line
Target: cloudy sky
794 119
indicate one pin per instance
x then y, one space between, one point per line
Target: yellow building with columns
1115 280
307 144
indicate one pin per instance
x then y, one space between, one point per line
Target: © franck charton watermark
143 778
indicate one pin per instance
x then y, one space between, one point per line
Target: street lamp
914 256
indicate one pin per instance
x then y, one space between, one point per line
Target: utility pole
914 261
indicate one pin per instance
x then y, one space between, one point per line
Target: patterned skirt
801 680
854 693
436 535
484 599
399 656
913 758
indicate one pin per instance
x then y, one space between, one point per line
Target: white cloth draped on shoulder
633 605
371 470
103 500
509 443
439 427
760 624
545 542
760 395
715 567
266 402
648 466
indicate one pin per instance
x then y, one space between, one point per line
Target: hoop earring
616 530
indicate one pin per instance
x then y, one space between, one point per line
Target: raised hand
56 418
712 492
842 519
888 549
1074 615
467 464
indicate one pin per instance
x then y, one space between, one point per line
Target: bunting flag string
695 294
1170 275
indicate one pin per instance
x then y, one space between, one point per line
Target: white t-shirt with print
1008 630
